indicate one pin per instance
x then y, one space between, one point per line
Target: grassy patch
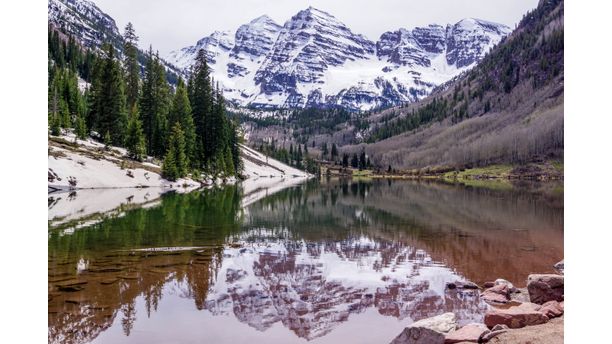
362 173
558 165
493 171
491 184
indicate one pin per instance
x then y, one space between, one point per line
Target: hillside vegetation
508 109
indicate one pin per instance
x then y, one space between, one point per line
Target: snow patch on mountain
316 60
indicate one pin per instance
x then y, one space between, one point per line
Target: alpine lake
327 261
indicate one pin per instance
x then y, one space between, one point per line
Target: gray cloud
169 25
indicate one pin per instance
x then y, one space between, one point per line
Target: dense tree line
297 157
186 126
436 110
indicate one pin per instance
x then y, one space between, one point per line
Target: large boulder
430 330
515 317
443 323
419 335
499 293
552 309
545 287
469 333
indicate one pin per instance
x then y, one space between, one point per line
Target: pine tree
132 68
80 128
56 129
135 141
298 158
334 151
345 160
175 162
355 161
181 113
362 160
112 115
155 105
229 162
324 149
200 95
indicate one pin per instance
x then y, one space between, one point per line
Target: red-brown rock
499 293
545 287
514 317
488 284
552 309
468 333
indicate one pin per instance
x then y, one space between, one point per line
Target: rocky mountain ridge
314 60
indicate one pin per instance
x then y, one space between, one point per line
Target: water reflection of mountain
313 287
480 232
307 259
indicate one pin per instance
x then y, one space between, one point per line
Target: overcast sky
173 24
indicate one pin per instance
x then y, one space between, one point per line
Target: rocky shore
517 315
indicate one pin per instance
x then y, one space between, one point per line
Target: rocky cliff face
90 26
316 60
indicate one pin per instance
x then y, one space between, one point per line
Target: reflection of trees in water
82 305
484 233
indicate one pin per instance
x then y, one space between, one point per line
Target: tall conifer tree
132 68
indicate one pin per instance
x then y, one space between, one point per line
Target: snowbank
87 165
88 182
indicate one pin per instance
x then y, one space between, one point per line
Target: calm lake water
318 262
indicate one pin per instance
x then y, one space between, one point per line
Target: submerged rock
545 287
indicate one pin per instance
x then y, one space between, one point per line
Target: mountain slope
314 60
92 27
508 109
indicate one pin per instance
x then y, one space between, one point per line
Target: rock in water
419 335
468 333
427 331
560 266
545 287
443 323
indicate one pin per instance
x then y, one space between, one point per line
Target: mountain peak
263 19
316 60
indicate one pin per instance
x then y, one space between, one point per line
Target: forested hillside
508 109
105 95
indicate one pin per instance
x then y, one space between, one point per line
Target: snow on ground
266 176
258 165
87 180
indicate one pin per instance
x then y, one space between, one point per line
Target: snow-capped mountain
316 60
85 21
92 27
